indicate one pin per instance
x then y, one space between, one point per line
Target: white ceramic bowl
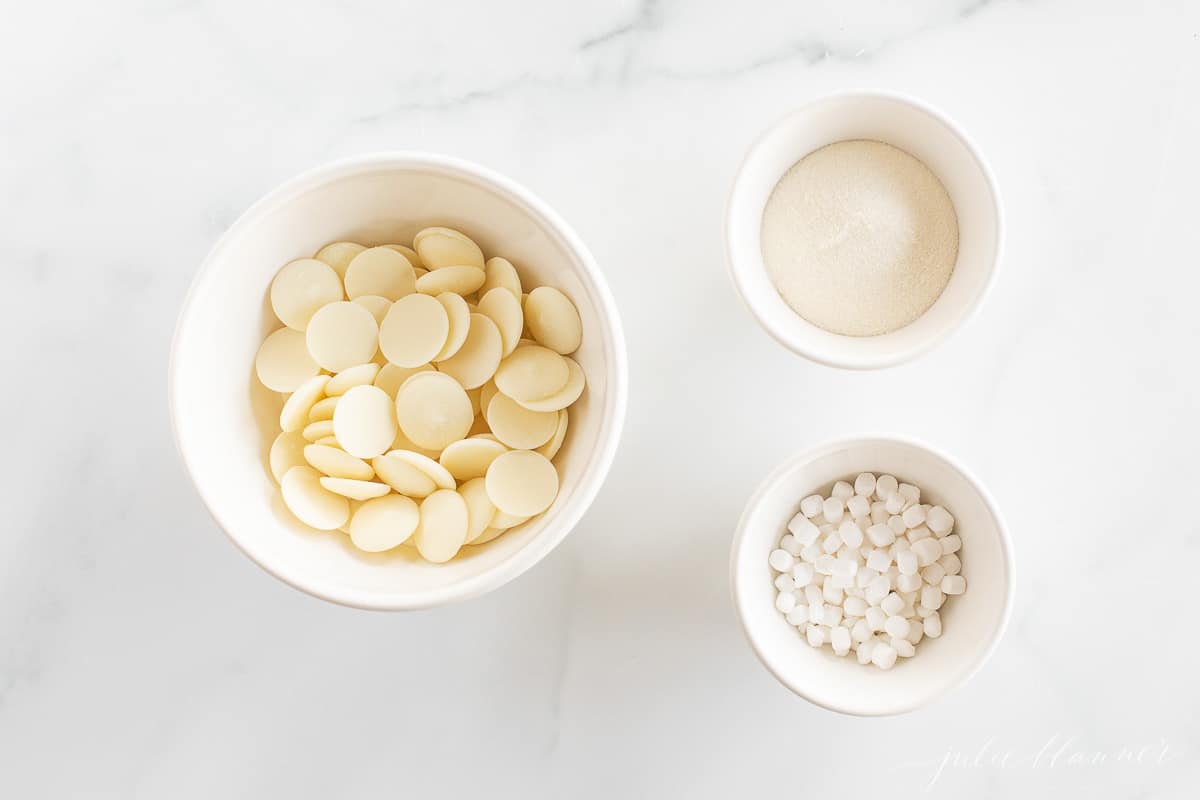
225 420
913 127
973 622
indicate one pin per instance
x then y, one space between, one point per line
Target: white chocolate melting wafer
532 373
312 503
433 410
283 361
300 288
443 527
364 421
380 271
339 255
294 414
446 247
337 463
414 330
384 523
469 458
553 320
479 356
518 427
355 489
522 483
341 335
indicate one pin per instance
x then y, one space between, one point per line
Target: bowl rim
595 471
810 453
737 267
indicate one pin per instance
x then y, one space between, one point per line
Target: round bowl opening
972 622
225 420
924 134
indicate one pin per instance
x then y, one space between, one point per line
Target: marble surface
142 656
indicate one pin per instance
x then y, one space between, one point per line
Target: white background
142 656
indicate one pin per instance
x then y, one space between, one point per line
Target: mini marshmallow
954 584
879 513
811 505
939 520
785 601
855 606
892 604
951 543
879 560
932 597
886 486
815 636
875 618
784 583
933 625
896 626
908 583
850 533
864 577
910 493
803 530
799 616
903 647
881 535
832 593
883 656
858 506
864 484
781 560
878 590
906 562
843 490
951 564
802 574
840 639
895 503
832 542
789 543
933 574
918 533
928 551
833 508
913 516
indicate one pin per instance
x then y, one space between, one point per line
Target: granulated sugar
860 238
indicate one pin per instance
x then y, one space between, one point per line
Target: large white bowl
225 420
972 623
924 133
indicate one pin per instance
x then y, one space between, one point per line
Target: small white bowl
925 134
973 622
225 420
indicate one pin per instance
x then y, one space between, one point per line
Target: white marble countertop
142 656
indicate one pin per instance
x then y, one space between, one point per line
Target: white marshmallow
781 560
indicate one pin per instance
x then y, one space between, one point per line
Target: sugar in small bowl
872 574
863 229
